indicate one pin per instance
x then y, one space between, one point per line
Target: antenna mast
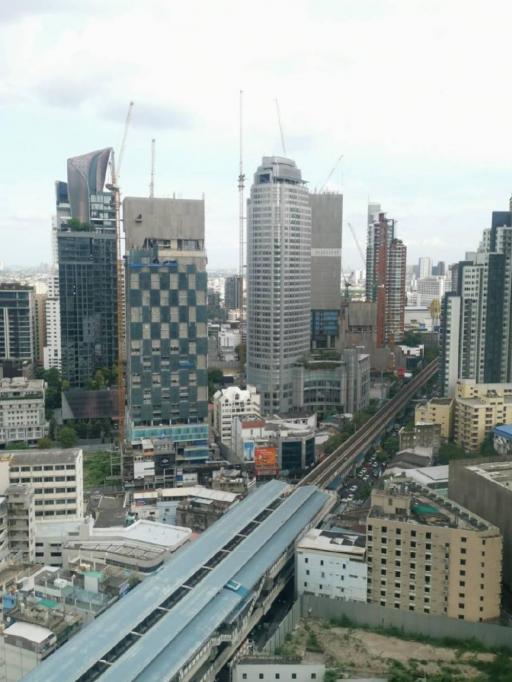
152 183
241 184
280 126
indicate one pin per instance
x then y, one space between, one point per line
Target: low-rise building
331 563
22 416
485 488
420 436
25 645
276 444
229 403
56 477
257 669
436 411
428 554
20 522
478 409
502 439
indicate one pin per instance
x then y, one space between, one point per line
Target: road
343 458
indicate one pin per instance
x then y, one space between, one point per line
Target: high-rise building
39 327
430 289
17 320
439 270
278 280
326 228
232 292
86 252
385 279
476 317
425 267
52 345
167 340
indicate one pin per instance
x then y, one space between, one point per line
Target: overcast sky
415 94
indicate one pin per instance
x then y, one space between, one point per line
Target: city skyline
414 157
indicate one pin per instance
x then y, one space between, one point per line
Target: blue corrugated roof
170 642
504 430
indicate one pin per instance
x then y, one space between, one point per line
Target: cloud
151 116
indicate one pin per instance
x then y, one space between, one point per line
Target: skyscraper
167 340
425 267
278 280
86 253
17 328
326 227
385 276
476 318
232 292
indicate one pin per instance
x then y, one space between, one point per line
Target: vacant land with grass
348 651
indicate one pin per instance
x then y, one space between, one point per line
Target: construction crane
358 245
152 182
331 173
121 340
280 126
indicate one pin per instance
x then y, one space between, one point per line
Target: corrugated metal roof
94 641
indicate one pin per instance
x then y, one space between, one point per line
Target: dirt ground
361 652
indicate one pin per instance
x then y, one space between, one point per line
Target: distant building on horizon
17 328
278 280
385 276
232 292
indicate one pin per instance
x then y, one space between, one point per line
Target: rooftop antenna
152 183
280 126
241 184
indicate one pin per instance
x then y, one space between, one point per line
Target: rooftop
497 472
339 541
401 499
20 457
153 631
21 383
504 430
150 532
28 631
179 493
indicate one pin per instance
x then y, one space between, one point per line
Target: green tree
411 338
67 436
449 451
44 443
16 445
215 377
390 445
486 446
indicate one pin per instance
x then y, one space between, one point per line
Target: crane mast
241 185
152 182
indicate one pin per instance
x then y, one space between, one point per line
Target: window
294 676
313 676
278 676
261 676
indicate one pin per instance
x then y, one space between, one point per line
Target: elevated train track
342 459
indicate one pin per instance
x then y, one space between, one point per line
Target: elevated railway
342 459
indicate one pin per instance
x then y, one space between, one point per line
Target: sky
414 94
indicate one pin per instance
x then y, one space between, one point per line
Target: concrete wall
162 218
372 615
326 222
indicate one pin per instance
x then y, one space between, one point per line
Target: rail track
344 456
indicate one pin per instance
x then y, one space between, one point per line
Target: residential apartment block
22 413
54 476
436 411
17 327
478 409
430 555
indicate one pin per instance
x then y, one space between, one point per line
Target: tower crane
152 182
358 245
280 126
331 173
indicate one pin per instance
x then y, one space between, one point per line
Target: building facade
436 411
22 411
17 327
87 262
326 236
428 554
385 276
478 409
229 403
52 346
331 563
278 280
232 291
476 339
167 342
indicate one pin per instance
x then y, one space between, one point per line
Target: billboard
266 461
249 451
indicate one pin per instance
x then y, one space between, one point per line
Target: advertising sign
249 451
266 461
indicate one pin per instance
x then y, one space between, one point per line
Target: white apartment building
331 563
56 477
431 289
229 403
52 347
22 415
